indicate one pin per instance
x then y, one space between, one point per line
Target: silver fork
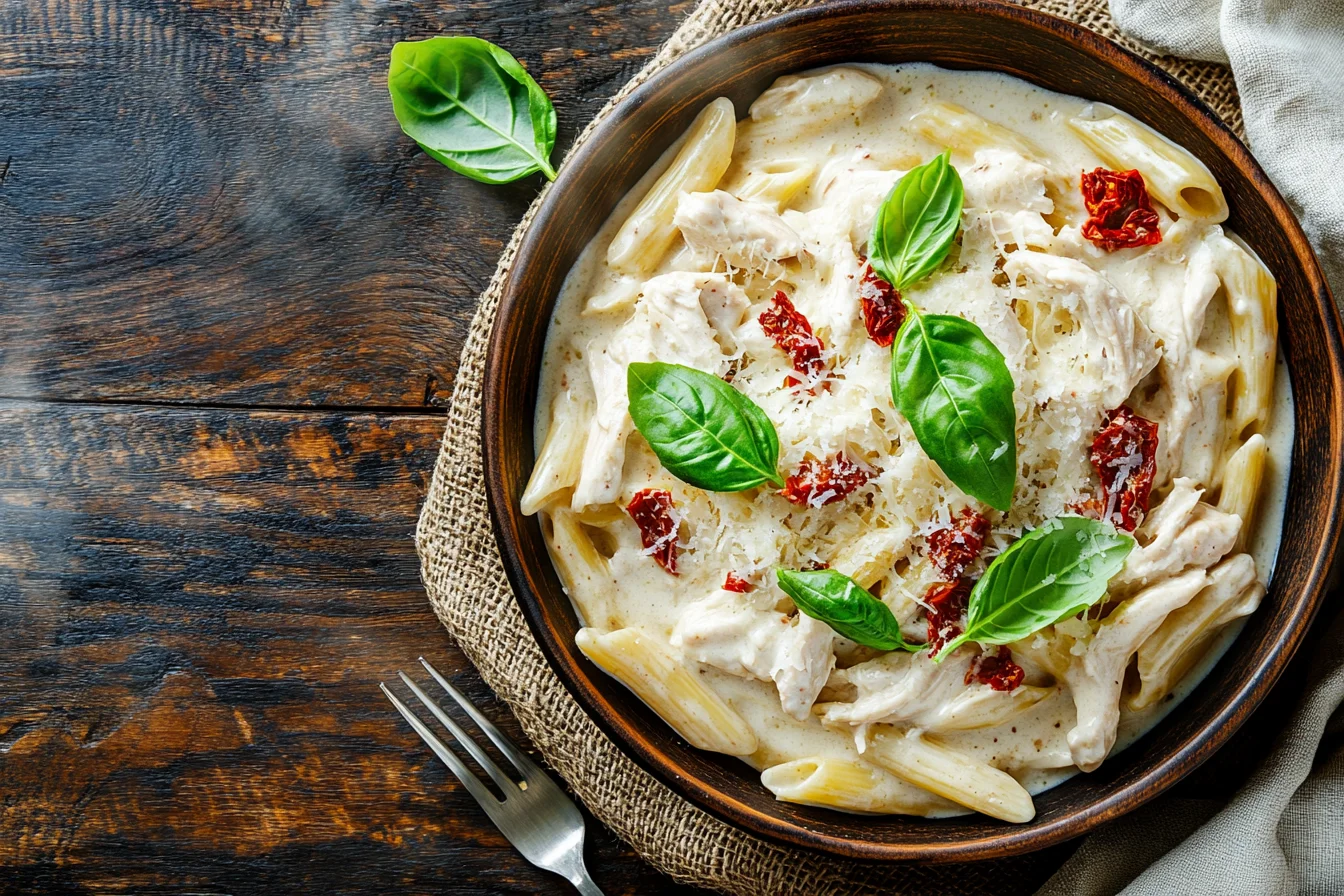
539 820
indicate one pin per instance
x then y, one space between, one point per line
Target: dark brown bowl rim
1011 840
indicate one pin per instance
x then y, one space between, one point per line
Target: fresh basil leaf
918 221
704 431
953 386
473 107
1048 574
845 606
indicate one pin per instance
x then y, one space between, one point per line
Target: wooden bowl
974 34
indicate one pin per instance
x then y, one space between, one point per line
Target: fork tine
497 737
455 765
506 784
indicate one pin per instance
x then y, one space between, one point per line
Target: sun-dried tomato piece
996 670
1120 213
821 482
955 547
947 606
734 582
883 310
793 334
652 511
1124 454
813 565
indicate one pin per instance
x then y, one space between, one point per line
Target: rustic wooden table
232 296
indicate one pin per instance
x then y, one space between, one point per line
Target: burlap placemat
465 579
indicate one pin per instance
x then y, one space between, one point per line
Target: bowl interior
957 34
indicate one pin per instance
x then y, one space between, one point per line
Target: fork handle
584 884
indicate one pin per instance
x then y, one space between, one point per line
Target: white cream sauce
850 149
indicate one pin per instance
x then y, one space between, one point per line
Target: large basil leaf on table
1049 574
704 431
953 386
844 605
473 107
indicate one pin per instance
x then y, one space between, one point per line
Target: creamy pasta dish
916 438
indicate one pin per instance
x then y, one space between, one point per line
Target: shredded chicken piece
1097 675
679 319
733 633
818 97
1003 179
912 689
1195 379
744 234
1182 532
1127 350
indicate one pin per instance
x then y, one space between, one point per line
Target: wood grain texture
205 206
197 609
200 199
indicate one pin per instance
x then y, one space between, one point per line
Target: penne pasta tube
557 468
669 688
1252 300
1201 453
1173 175
583 570
1242 474
775 183
964 132
951 774
618 295
983 708
704 156
850 786
1184 636
869 557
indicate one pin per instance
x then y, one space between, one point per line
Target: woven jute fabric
465 579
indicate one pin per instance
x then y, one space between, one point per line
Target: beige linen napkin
465 580
1288 60
1284 832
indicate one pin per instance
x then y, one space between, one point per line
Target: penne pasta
983 708
1252 300
850 786
1242 474
669 688
775 183
704 156
1205 432
1139 391
558 465
964 132
952 775
1173 175
870 557
1184 636
619 295
583 570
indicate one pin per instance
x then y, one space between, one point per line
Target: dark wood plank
195 610
212 201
